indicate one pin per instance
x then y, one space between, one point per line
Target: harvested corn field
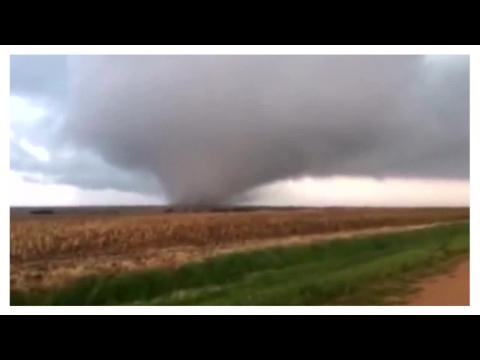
52 250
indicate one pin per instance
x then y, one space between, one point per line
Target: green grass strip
343 272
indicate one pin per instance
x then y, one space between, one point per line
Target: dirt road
450 289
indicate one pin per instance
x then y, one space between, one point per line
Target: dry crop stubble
380 267
59 236
52 250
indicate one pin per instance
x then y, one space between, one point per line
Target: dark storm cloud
211 127
82 169
41 81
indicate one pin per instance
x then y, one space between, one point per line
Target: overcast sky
280 130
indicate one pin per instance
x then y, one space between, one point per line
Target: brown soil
449 289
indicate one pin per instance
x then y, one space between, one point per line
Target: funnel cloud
210 128
216 129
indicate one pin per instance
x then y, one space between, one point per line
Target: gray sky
258 129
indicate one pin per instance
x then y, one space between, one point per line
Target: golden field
35 238
48 251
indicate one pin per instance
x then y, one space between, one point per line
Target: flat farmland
52 250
